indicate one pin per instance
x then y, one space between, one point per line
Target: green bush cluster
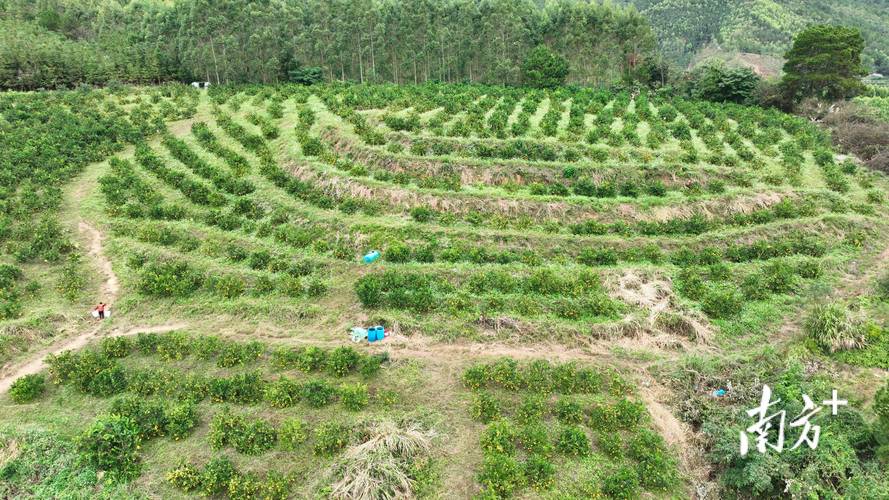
154 418
268 129
196 191
519 439
250 437
541 292
27 388
223 180
220 477
99 373
539 376
112 444
339 361
205 137
331 437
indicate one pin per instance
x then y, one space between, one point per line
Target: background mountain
745 29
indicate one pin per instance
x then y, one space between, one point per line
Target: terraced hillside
652 247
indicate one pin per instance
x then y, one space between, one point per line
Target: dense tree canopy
824 62
690 28
719 83
544 68
229 41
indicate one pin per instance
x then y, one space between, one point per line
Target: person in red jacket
101 310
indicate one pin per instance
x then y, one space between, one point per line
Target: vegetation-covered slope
566 276
685 27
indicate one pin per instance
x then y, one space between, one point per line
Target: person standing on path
101 310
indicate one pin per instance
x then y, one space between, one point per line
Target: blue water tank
375 333
371 257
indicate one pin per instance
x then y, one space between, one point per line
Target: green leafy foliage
111 444
716 82
824 62
27 388
544 68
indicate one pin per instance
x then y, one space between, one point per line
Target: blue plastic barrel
370 257
375 333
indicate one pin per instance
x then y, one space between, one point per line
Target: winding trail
110 285
109 292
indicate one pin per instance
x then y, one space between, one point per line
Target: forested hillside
684 27
56 43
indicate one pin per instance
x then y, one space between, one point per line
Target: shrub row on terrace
526 429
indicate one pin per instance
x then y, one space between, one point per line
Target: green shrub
538 376
111 444
531 409
229 287
283 393
331 437
610 444
293 433
539 472
247 437
569 411
422 214
498 438
73 279
603 417
485 407
400 289
501 474
236 354
386 397
505 373
342 360
621 483
354 396
629 414
780 277
573 441
116 347
833 329
564 378
185 477
148 415
181 419
242 388
247 486
655 468
317 393
218 472
27 388
206 346
107 382
173 346
598 257
311 358
9 274
882 287
147 343
169 279
534 438
369 366
721 301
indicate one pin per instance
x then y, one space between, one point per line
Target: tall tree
824 62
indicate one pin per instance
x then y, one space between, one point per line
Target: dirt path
110 286
109 291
